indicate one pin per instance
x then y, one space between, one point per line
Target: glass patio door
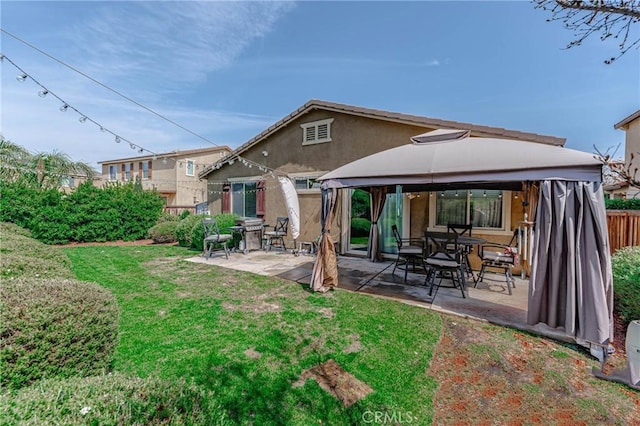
360 221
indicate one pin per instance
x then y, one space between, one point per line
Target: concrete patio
489 301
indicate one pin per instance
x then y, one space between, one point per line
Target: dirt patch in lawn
114 243
334 379
493 375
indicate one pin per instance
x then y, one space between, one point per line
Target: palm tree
45 170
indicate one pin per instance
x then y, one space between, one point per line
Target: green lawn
248 338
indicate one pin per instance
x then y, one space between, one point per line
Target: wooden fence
624 228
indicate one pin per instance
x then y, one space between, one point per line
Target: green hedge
115 212
626 283
618 204
360 227
163 232
190 233
113 399
55 328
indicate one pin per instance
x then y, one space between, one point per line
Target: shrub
167 217
184 214
360 227
55 328
619 204
163 232
112 399
184 230
626 283
21 256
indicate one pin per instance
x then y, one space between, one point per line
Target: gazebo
571 284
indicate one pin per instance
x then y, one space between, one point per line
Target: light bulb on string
102 129
484 194
1 57
43 93
64 107
22 77
118 139
82 119
132 146
141 150
164 160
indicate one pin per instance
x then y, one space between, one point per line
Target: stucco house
319 137
631 127
173 174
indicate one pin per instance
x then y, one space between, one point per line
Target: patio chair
444 257
275 238
499 258
463 230
410 252
213 239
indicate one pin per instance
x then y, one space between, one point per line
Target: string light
83 118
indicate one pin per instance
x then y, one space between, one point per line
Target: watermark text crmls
388 417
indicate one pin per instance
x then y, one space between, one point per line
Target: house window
190 168
306 183
113 173
482 208
68 182
244 198
127 171
316 132
145 170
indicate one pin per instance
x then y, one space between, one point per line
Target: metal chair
501 257
444 256
275 238
410 251
463 230
213 238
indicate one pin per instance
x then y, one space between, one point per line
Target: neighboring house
631 126
173 174
321 136
71 182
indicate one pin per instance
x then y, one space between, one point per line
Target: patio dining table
468 243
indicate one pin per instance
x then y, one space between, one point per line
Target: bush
360 227
184 214
225 220
112 399
163 232
55 328
626 283
114 212
21 256
619 204
167 217
184 230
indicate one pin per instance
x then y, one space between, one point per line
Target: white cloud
176 41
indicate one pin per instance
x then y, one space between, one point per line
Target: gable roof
396 117
171 154
622 124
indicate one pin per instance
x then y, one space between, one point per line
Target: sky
225 71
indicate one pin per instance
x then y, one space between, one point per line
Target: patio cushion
218 238
410 250
442 262
496 256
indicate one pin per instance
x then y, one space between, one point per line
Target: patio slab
489 301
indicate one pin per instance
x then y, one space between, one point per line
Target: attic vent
316 132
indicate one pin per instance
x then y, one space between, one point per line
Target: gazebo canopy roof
449 156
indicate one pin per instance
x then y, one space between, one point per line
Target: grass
248 338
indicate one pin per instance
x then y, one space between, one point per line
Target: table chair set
446 255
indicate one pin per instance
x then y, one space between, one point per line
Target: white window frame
244 181
302 176
316 125
113 176
506 215
128 171
193 167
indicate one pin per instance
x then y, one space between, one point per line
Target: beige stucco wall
352 137
170 179
632 145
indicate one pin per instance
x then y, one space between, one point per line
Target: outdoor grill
251 230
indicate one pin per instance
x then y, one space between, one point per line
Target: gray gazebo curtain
571 284
378 196
325 269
